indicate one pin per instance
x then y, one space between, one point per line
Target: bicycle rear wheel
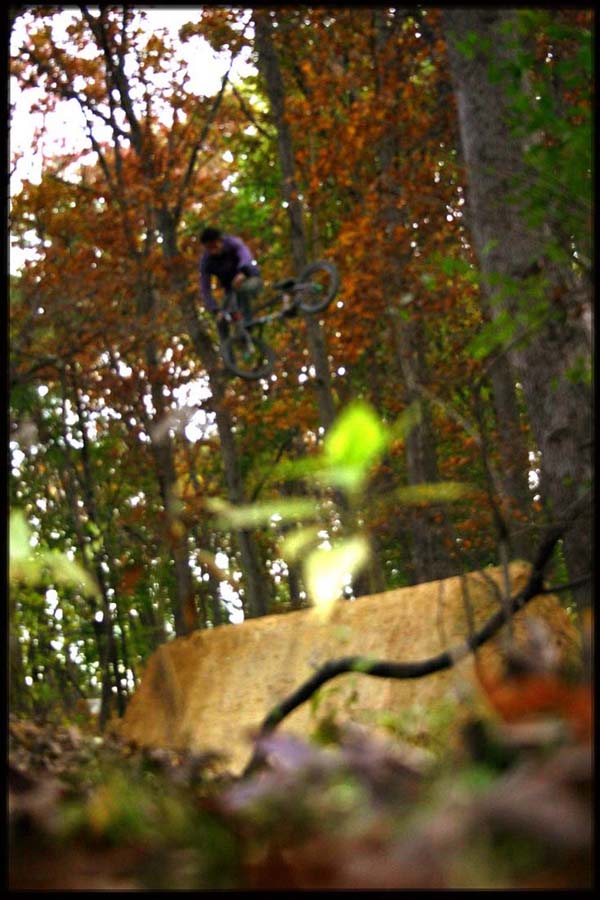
318 285
247 356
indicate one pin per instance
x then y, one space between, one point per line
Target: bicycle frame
244 350
278 298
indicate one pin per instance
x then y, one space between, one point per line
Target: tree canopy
134 456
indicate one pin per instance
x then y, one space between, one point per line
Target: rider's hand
238 280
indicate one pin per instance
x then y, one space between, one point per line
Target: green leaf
19 534
433 492
355 441
298 542
580 372
406 421
28 565
68 572
326 572
257 515
291 469
364 664
493 335
488 247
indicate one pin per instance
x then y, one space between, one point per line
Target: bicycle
244 351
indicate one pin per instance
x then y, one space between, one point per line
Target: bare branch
115 75
198 144
445 660
249 114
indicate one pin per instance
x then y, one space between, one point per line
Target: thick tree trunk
514 458
510 489
559 410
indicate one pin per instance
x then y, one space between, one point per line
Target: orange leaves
534 695
130 579
456 462
306 67
216 27
530 694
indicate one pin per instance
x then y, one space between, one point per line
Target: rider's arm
206 290
246 264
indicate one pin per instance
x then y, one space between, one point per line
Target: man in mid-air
228 259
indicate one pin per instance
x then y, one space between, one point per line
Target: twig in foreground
399 670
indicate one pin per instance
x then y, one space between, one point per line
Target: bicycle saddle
284 285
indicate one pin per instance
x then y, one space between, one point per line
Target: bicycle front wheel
247 356
317 286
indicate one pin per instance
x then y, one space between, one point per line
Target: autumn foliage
124 423
154 495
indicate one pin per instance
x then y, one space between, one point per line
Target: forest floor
511 807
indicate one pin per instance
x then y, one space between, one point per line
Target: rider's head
212 239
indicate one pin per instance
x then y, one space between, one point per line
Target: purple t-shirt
235 257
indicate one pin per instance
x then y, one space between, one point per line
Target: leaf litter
512 807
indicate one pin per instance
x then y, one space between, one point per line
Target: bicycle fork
241 332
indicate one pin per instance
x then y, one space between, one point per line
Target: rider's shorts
249 290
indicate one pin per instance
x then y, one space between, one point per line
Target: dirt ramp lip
211 690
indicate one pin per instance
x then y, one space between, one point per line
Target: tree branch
115 74
198 144
559 588
249 114
399 670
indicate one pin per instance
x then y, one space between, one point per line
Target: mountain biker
228 259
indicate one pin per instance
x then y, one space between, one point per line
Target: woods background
442 159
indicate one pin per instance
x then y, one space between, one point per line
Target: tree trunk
510 253
184 603
17 694
269 65
109 656
512 484
510 489
430 557
431 560
256 578
256 591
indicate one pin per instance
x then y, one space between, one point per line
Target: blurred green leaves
355 442
30 566
352 449
328 571
436 492
259 515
